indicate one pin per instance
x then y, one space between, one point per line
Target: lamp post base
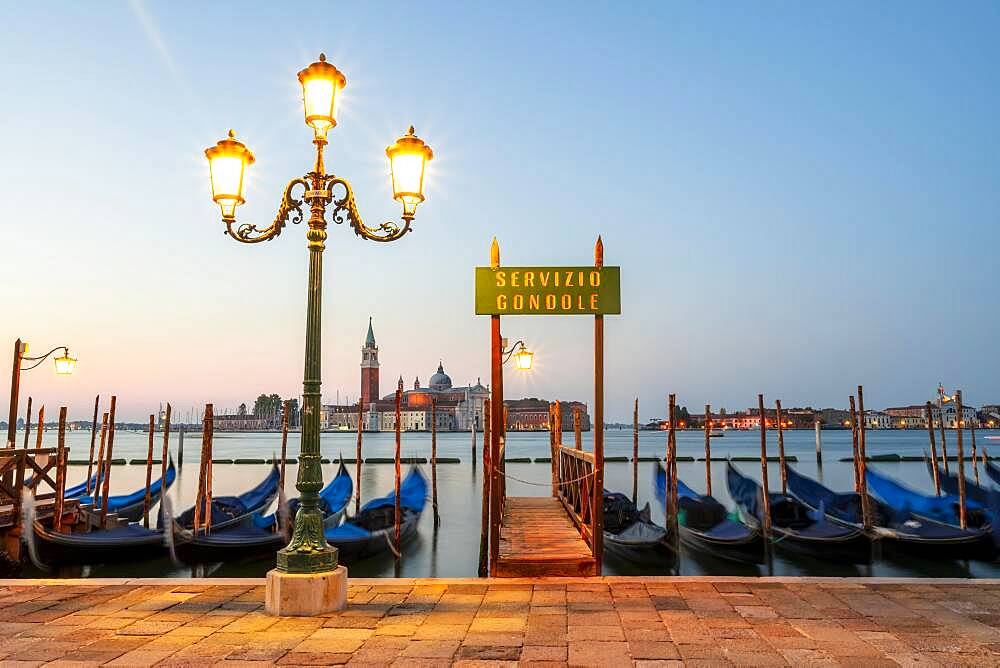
305 595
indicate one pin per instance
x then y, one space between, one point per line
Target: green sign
548 291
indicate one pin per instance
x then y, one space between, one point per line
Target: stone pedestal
295 595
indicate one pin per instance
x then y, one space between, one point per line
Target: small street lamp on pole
308 551
64 367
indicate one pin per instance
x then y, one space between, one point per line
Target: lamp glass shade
227 165
65 364
408 159
523 359
321 82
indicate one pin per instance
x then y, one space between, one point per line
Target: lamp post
308 552
64 367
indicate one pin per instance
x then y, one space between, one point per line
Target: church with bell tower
369 369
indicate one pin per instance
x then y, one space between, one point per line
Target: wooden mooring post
577 435
635 451
855 457
781 448
106 481
819 442
100 460
866 511
165 452
708 449
434 470
670 492
27 425
962 522
397 509
934 454
484 528
284 445
93 436
207 426
975 460
149 471
598 426
496 423
944 443
357 457
40 429
57 514
766 493
180 448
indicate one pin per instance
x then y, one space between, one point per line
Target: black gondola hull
58 549
749 550
206 550
979 547
652 553
356 549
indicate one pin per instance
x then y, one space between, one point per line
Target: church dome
440 380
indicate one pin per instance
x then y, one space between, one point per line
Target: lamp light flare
523 359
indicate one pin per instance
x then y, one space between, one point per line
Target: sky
802 196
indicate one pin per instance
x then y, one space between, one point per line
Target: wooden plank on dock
537 538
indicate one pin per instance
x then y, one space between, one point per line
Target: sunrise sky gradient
801 197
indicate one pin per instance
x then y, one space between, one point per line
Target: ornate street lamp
65 365
308 551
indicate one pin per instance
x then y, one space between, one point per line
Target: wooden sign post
583 290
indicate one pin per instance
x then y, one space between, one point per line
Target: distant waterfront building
239 422
533 414
878 420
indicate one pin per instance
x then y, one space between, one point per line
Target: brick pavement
611 621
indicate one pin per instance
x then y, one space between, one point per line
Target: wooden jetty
562 532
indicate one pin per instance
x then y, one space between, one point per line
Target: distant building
877 420
239 422
533 414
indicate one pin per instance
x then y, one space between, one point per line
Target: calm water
453 550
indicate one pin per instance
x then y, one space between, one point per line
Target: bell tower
369 369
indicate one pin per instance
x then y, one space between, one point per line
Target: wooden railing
575 489
19 464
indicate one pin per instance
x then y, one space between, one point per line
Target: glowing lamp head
321 82
408 159
227 164
65 364
523 359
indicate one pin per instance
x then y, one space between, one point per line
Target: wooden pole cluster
708 449
149 471
635 452
40 429
60 473
485 523
934 454
782 464
93 435
397 509
765 491
357 458
434 470
106 477
961 460
203 498
27 424
854 446
866 511
577 435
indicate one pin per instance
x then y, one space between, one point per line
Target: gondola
942 508
228 511
794 526
370 532
133 542
705 526
977 493
130 506
899 530
262 534
631 535
992 470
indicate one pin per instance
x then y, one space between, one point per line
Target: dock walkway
538 539
610 621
